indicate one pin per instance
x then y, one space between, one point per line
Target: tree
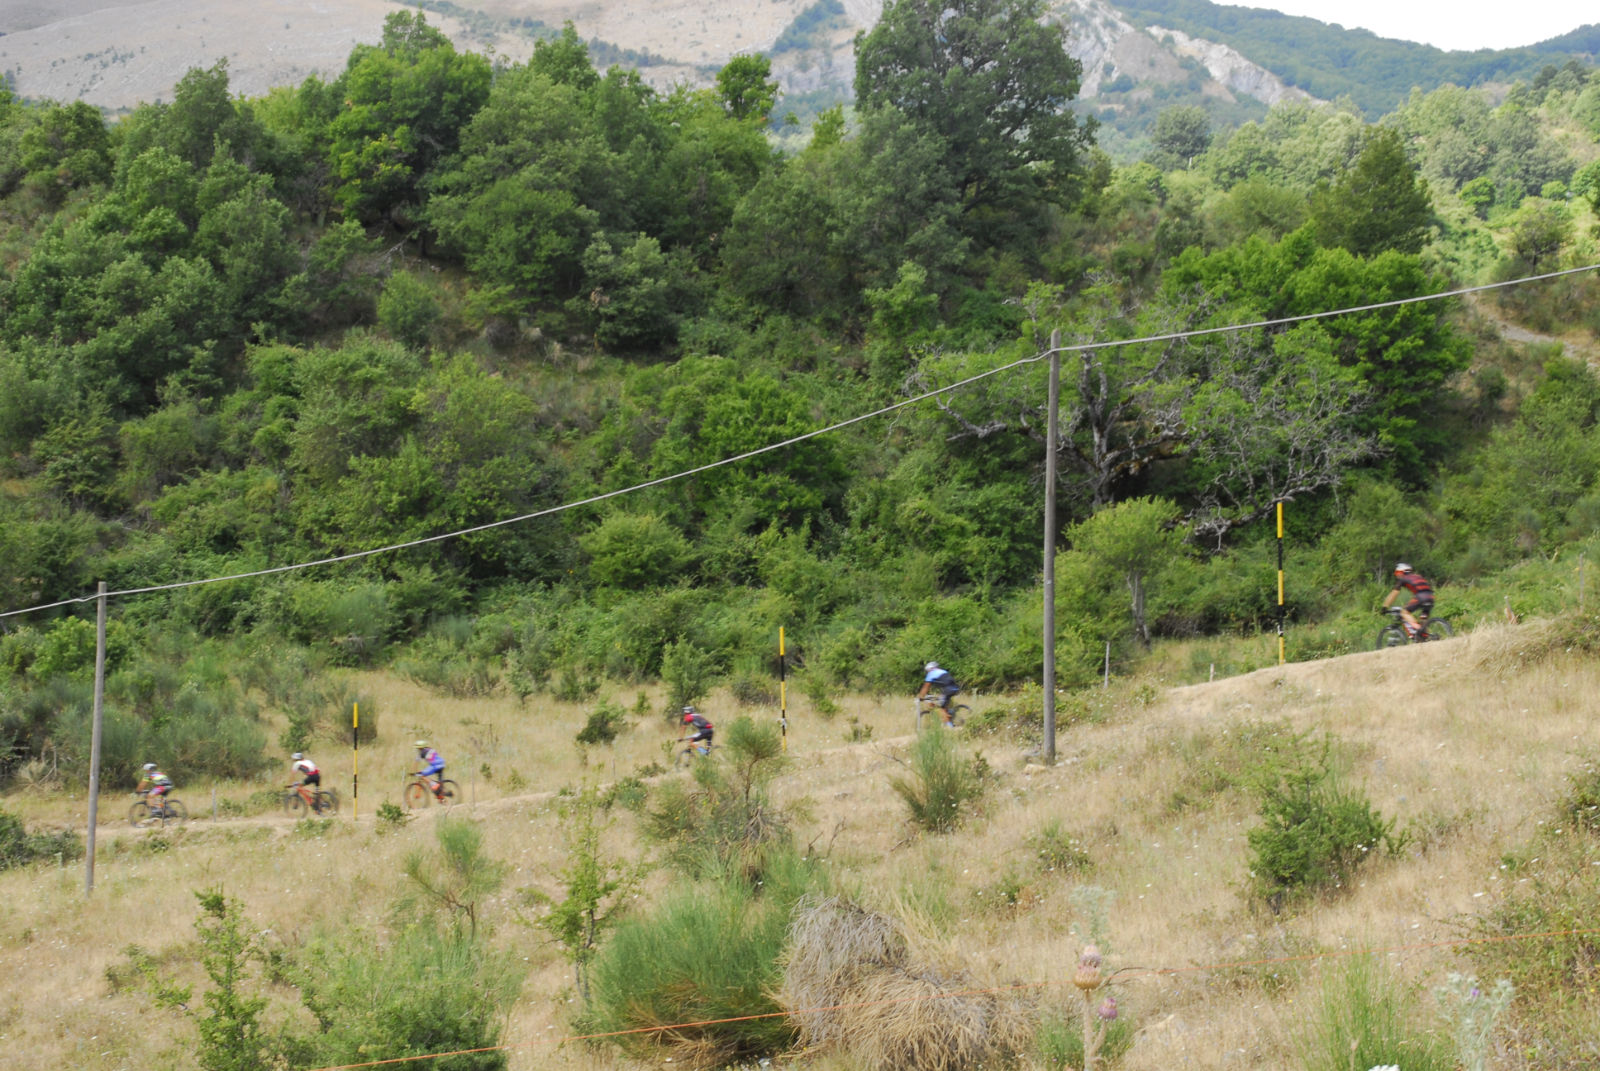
1184 132
406 102
1133 540
991 79
1381 203
745 87
459 878
597 889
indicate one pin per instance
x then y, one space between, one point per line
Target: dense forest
438 292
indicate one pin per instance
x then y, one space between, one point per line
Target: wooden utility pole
94 734
1048 753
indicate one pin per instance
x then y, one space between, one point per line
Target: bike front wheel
294 805
1391 636
1438 629
139 813
417 795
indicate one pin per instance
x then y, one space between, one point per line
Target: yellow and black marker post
1280 584
783 694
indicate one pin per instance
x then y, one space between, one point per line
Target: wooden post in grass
355 761
783 693
1048 752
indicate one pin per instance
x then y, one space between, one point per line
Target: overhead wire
1079 347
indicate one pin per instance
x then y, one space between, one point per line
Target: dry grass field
1468 743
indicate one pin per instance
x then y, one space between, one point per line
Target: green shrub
605 722
708 952
1058 850
724 821
688 672
1314 833
942 785
18 847
452 996
1369 1019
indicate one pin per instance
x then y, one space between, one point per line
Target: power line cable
747 455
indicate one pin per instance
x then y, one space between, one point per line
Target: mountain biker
310 776
432 768
1420 608
158 785
703 730
937 677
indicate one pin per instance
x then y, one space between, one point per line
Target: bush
1314 833
709 952
725 823
453 995
18 847
604 724
942 784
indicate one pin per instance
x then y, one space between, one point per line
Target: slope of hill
1469 744
1329 61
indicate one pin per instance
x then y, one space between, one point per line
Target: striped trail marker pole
783 693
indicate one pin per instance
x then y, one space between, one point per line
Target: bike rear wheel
1438 629
1391 636
327 801
449 793
174 813
959 714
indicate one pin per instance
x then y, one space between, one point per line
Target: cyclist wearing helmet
937 677
158 785
432 768
1420 608
310 776
693 719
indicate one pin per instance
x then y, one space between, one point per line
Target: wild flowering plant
1472 1015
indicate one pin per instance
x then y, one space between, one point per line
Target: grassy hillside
1471 746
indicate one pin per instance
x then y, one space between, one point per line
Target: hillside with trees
540 305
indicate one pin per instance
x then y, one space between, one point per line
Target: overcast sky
1460 24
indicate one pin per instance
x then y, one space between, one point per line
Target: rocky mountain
1138 57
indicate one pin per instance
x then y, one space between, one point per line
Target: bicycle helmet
297 756
688 715
1401 569
931 666
149 766
422 745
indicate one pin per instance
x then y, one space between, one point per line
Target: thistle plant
1472 1015
1088 978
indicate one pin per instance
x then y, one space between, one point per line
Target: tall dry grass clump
850 982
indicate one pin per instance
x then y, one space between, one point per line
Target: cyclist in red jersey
1420 607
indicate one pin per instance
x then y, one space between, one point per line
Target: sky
1460 24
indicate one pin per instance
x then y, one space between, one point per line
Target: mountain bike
1394 633
420 792
697 749
172 811
929 704
298 799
